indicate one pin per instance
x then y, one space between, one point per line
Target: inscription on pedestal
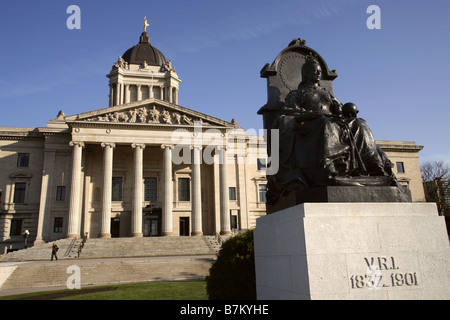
383 272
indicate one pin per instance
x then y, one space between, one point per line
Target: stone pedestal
345 194
353 251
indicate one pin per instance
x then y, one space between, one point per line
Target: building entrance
151 223
115 227
151 227
184 226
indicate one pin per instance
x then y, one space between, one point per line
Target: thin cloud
48 79
436 157
260 21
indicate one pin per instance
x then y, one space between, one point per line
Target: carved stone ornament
121 63
149 115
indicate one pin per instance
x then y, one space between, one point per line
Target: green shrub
232 276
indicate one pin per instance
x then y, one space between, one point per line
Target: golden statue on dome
145 24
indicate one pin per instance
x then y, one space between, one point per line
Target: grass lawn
189 290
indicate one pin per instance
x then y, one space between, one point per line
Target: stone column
197 228
105 220
138 92
122 91
111 95
225 226
117 94
136 214
170 94
176 96
46 196
127 93
167 223
242 191
74 219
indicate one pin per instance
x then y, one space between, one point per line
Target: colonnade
120 93
75 208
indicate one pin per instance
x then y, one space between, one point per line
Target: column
87 215
74 220
127 93
138 92
111 95
136 214
105 223
150 91
46 196
197 228
117 94
122 91
170 94
225 225
242 191
167 223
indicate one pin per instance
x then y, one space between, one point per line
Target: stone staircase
119 247
109 261
145 247
52 275
67 250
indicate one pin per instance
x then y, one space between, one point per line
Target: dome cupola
142 73
144 52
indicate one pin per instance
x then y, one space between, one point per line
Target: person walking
25 235
54 251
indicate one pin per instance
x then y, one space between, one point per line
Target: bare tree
435 176
432 170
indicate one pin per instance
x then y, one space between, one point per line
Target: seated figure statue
323 142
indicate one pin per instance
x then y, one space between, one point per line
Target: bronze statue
321 141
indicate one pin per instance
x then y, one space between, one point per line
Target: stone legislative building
142 166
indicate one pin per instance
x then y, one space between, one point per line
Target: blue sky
397 76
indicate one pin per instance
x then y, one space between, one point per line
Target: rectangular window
23 159
144 92
60 193
150 189
58 225
232 191
262 164
16 227
184 190
400 167
117 183
262 192
19 192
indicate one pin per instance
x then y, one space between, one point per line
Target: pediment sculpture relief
150 115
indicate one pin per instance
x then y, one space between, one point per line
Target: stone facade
404 156
85 174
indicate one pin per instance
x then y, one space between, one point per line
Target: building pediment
20 175
149 112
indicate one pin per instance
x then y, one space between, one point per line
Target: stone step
119 247
40 252
46 274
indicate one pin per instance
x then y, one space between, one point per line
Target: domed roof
144 51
